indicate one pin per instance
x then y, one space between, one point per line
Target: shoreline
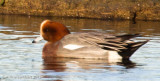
100 9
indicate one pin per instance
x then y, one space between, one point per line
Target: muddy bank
103 9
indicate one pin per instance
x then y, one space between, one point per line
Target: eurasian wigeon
61 43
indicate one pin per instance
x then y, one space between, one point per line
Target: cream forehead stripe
43 24
72 46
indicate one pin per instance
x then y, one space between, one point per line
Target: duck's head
51 31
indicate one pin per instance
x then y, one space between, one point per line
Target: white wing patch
72 46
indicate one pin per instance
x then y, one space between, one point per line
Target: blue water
20 60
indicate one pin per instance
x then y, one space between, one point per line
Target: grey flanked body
98 45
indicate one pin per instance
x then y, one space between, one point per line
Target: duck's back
98 45
86 45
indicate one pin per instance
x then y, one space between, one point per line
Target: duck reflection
127 63
56 65
62 64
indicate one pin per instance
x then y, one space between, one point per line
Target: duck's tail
132 47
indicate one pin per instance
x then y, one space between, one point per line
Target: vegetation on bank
103 9
2 2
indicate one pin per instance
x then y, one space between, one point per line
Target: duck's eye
51 30
46 30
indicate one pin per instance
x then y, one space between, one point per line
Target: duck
86 45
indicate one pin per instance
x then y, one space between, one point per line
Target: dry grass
104 9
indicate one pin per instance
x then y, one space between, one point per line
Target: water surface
20 60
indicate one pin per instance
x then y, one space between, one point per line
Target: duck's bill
37 39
